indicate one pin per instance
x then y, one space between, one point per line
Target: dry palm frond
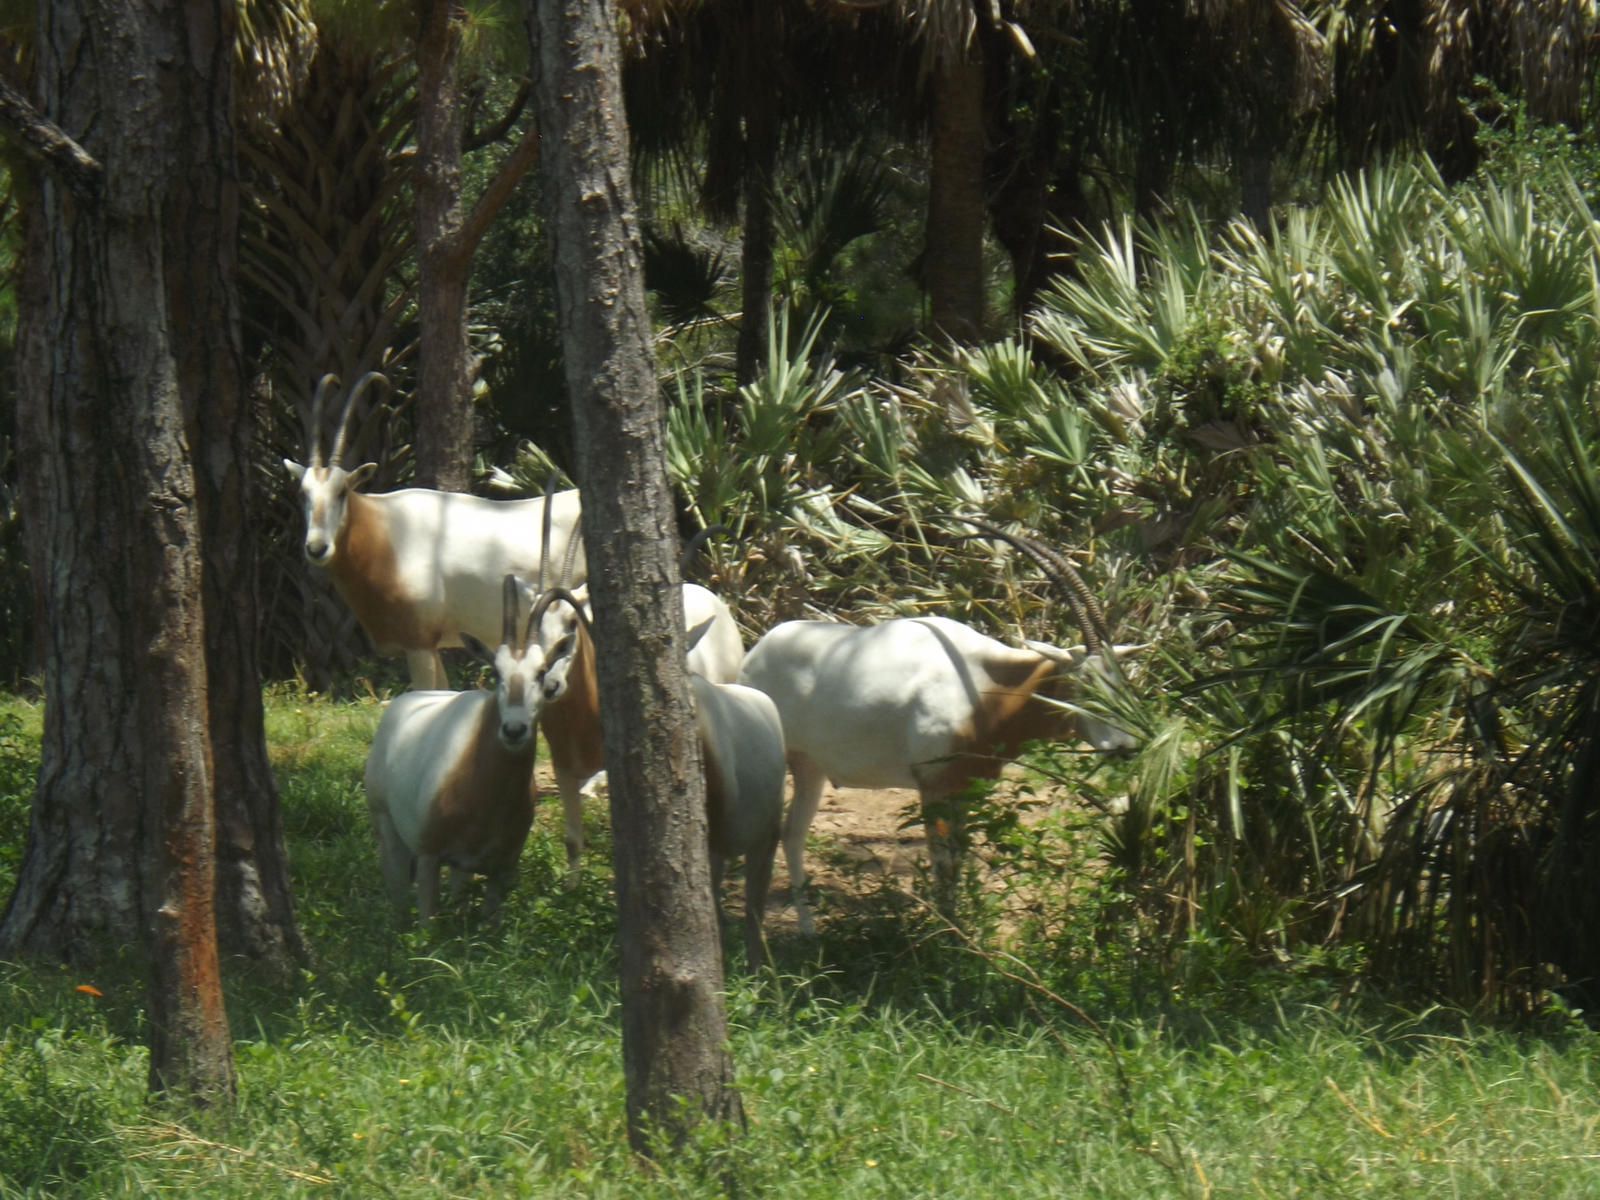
275 44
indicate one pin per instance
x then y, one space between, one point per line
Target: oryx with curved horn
449 777
418 566
925 703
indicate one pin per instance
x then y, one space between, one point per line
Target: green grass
877 1062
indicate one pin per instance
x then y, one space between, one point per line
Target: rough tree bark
120 845
255 904
674 1030
956 212
761 164
444 359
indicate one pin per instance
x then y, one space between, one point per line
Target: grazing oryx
417 566
569 692
924 703
450 775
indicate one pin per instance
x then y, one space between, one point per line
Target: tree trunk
444 358
255 905
674 1031
955 197
760 164
1255 182
120 844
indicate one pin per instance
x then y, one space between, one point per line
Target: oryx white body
449 779
419 566
741 743
925 703
570 702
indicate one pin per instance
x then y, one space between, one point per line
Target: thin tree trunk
255 906
674 1031
760 164
120 846
1255 182
758 242
955 197
444 357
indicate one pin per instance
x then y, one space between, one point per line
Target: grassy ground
472 1061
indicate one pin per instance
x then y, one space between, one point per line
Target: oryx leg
944 823
399 866
497 886
757 882
428 868
808 783
718 867
570 784
427 670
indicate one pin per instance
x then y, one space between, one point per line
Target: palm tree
1554 46
1403 73
326 243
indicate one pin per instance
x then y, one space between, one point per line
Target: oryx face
559 632
516 689
324 494
516 696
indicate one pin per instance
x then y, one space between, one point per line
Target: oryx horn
550 597
1086 610
318 402
509 592
356 392
544 529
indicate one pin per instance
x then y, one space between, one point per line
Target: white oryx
741 739
741 744
417 566
570 695
449 777
925 703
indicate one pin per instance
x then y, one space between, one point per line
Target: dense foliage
1340 475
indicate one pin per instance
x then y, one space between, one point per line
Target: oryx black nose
514 734
317 548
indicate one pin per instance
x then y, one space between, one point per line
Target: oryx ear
1069 656
693 635
477 649
360 475
297 471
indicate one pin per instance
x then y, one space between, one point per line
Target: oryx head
517 663
1076 663
325 485
1099 655
560 626
559 622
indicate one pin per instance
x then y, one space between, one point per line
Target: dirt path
856 840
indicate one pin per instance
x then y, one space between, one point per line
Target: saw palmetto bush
1339 475
1380 725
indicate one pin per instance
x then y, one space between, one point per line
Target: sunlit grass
469 1060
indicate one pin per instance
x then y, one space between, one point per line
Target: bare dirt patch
858 842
